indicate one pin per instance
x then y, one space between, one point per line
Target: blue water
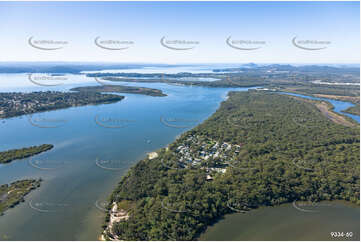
339 106
74 180
64 206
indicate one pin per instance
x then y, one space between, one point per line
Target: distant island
14 104
270 76
15 154
121 89
181 79
14 193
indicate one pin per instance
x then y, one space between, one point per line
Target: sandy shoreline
116 216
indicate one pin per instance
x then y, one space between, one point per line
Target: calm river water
299 221
94 147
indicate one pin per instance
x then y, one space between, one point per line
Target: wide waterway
94 147
297 221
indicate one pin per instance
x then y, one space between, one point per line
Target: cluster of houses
21 103
16 102
196 149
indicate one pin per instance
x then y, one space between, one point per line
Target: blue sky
209 23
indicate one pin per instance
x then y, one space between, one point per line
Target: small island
14 193
121 89
15 154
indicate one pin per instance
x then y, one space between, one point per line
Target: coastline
139 163
115 215
287 211
326 109
225 99
32 184
150 155
51 105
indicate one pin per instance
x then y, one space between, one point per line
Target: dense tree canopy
14 154
289 151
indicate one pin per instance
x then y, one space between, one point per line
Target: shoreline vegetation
12 194
14 104
302 80
257 149
224 82
355 110
318 81
121 89
354 100
326 109
16 154
119 211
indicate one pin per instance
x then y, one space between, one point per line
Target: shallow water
298 221
94 147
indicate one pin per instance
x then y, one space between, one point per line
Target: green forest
288 151
15 154
14 193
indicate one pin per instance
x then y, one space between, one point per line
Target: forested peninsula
257 149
